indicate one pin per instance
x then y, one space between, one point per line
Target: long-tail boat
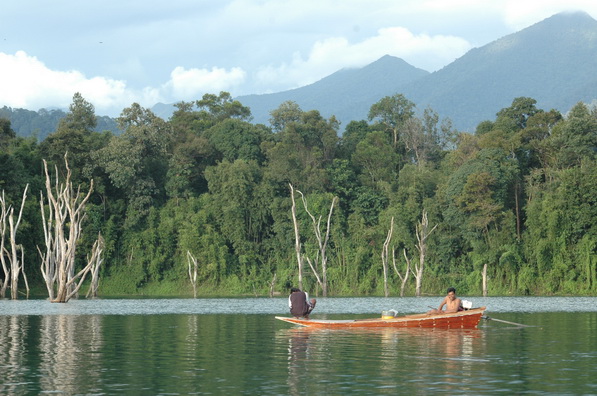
468 319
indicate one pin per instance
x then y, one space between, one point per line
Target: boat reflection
395 352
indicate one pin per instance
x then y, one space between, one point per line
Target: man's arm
444 301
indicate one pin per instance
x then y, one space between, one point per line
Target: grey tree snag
322 242
297 239
96 261
62 231
12 263
384 258
422 233
193 269
403 278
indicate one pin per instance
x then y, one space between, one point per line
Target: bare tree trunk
66 213
297 240
193 267
3 257
319 282
484 274
96 261
422 233
322 241
403 278
384 258
16 267
272 284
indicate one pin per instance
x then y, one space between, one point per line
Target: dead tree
422 233
384 257
403 278
193 269
272 284
297 239
15 265
96 261
484 277
322 242
62 231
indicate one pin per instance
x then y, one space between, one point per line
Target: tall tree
137 160
392 112
72 136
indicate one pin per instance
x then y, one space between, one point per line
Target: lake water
235 346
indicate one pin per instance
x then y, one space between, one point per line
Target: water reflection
68 344
441 358
13 335
298 357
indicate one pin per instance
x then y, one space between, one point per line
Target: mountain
553 62
348 94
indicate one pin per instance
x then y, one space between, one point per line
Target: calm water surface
235 346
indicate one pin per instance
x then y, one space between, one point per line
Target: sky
119 52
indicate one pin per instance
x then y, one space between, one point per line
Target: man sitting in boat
452 303
299 303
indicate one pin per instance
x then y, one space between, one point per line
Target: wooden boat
458 320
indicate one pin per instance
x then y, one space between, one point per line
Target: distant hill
41 123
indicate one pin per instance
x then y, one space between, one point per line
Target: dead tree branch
96 261
62 231
193 269
16 264
297 239
322 241
384 257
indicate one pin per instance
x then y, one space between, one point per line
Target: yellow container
388 314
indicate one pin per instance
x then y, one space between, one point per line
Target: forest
208 203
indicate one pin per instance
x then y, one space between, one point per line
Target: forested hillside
43 122
517 200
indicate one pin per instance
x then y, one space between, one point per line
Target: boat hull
457 320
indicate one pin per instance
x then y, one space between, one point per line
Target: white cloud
28 83
190 84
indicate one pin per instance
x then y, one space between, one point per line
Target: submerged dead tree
403 278
384 257
297 239
322 242
422 233
62 231
96 261
193 270
12 262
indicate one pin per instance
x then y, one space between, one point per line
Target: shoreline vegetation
208 203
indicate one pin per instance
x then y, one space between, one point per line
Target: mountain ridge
552 61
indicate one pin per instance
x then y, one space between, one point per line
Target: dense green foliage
519 196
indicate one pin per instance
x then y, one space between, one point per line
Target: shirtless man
452 303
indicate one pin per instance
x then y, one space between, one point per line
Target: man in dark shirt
299 303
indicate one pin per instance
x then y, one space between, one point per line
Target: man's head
294 290
451 293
